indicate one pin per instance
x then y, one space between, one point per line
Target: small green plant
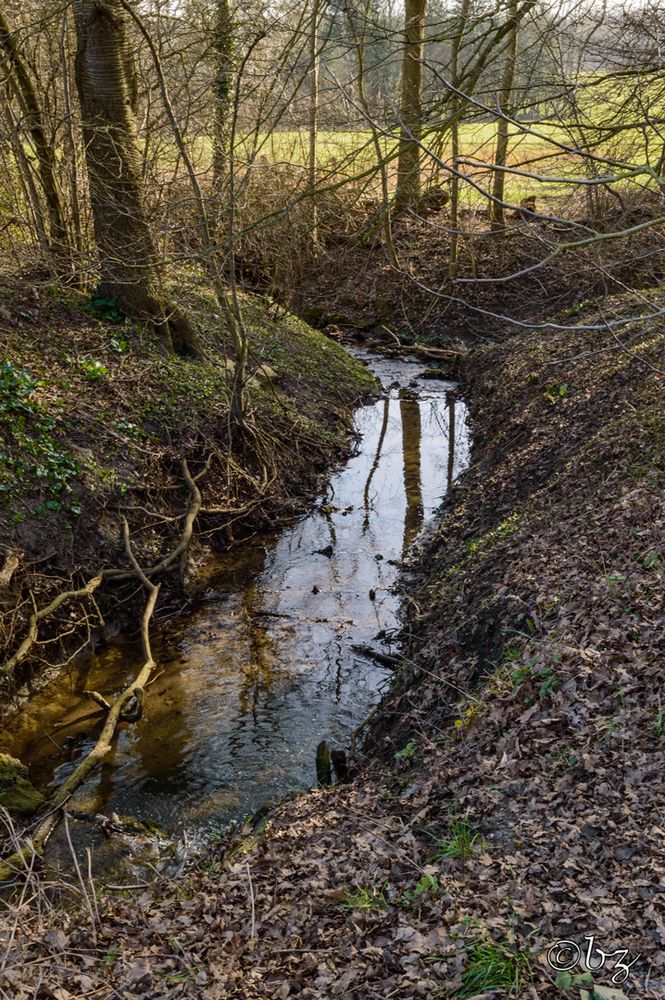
564 757
94 371
105 309
462 841
427 884
16 387
657 724
521 674
588 990
465 720
566 980
129 428
110 957
118 344
530 627
406 753
479 546
369 898
606 727
555 391
549 607
492 966
35 452
550 682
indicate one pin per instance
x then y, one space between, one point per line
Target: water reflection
266 668
409 408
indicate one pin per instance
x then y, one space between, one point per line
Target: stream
265 667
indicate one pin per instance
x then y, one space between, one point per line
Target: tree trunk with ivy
131 271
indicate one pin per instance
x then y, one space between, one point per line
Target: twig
252 933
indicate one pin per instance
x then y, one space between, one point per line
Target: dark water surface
249 683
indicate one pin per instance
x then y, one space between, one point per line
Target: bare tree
131 272
407 193
497 212
23 87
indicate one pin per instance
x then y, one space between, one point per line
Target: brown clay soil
509 790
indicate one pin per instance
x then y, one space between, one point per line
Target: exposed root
179 552
128 706
34 845
41 614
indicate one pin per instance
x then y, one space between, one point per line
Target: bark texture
224 44
131 271
407 194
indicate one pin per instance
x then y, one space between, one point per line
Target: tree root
34 845
43 613
179 552
128 706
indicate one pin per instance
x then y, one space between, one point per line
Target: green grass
365 898
491 966
462 841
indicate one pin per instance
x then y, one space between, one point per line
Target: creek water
265 667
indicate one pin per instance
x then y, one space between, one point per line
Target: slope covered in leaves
510 793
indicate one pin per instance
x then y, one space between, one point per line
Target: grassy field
550 152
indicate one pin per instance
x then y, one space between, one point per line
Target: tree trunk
497 211
456 110
223 89
131 272
359 41
23 87
313 118
72 146
407 194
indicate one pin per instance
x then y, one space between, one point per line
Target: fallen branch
385 659
98 699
